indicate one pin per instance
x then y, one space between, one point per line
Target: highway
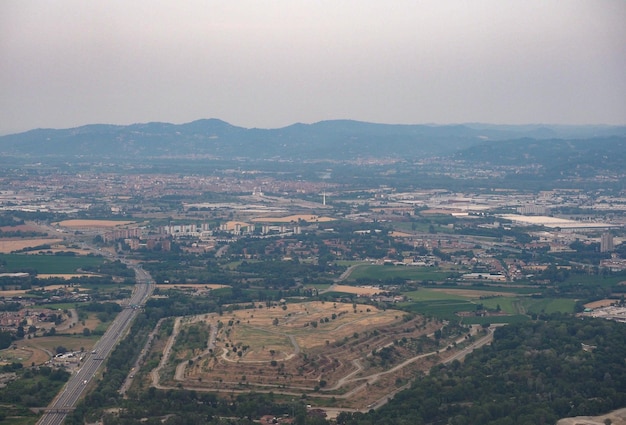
74 388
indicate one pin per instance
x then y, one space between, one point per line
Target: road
75 387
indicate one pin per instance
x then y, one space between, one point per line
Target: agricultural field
47 264
9 245
357 290
77 223
496 305
378 272
41 349
330 351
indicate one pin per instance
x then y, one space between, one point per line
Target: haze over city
70 63
313 213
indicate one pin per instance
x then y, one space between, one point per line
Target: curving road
74 388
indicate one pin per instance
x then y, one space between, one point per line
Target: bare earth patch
600 303
61 248
20 228
62 276
295 218
359 290
26 353
15 292
397 234
76 223
616 417
10 245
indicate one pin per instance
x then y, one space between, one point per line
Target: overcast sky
269 63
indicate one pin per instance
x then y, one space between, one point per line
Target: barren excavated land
79 223
350 355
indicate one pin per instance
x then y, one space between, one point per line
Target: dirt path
155 374
616 417
71 322
348 379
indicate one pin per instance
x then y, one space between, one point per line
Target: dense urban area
481 286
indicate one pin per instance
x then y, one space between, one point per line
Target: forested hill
554 158
327 140
532 373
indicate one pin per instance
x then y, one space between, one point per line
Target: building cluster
26 317
116 234
606 243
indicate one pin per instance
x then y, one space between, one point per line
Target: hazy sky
270 63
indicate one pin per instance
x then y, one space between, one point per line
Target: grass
105 287
508 305
517 318
424 294
21 420
500 288
259 339
549 305
102 327
48 264
445 306
389 272
71 342
596 280
444 309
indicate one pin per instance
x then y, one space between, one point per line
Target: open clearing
25 353
616 417
358 290
473 293
14 292
41 349
62 276
295 218
9 245
600 303
76 223
21 228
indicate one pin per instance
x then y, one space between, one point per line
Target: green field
516 318
510 305
445 306
593 279
443 309
549 305
47 264
378 272
425 294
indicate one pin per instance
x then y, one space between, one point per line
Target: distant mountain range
338 140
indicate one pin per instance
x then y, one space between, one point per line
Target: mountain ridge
323 140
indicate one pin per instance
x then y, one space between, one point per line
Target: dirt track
617 417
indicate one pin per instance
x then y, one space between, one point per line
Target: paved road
75 387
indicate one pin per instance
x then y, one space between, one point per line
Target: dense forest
532 373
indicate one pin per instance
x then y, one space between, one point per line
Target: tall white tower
606 243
